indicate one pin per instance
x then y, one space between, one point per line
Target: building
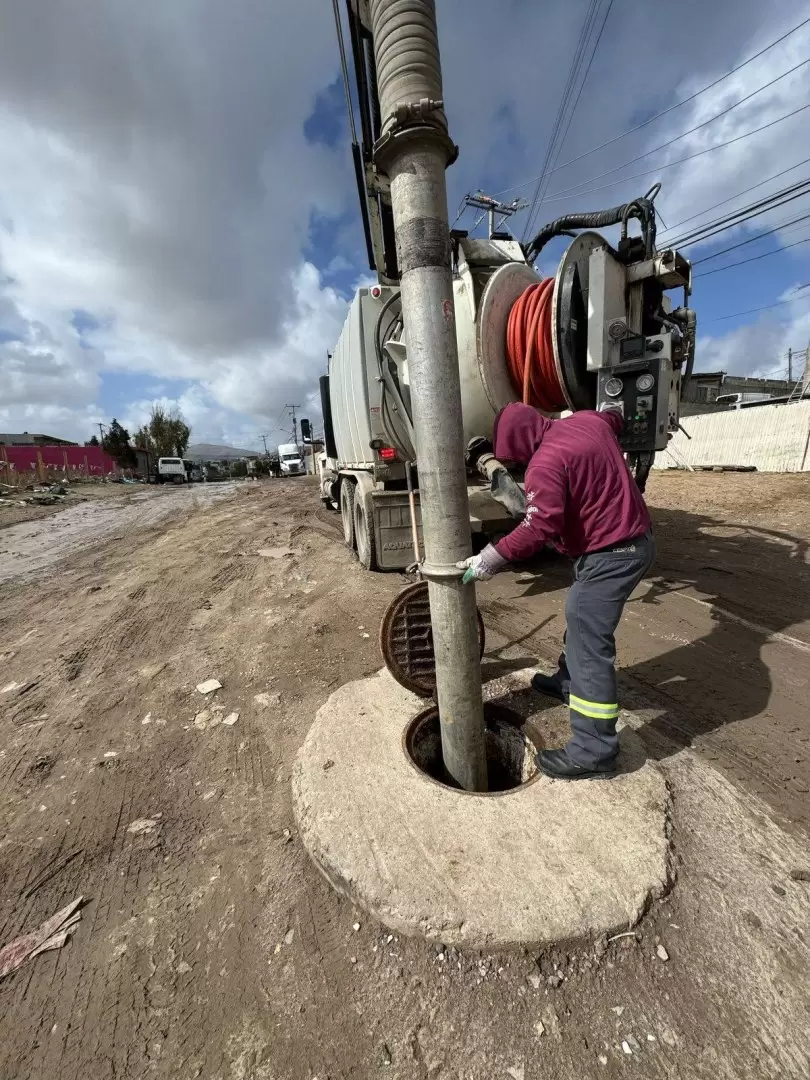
705 387
26 439
144 462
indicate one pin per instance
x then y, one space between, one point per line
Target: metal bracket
406 112
440 571
412 131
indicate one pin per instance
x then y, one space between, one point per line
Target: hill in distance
217 452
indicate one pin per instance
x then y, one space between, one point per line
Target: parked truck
601 332
170 470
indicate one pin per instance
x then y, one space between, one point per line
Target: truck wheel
347 512
364 535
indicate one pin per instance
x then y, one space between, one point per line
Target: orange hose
529 351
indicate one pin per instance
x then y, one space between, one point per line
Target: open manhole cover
406 640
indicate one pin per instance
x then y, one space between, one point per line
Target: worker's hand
481 567
473 570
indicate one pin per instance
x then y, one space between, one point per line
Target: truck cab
290 460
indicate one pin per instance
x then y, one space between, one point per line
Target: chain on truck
604 329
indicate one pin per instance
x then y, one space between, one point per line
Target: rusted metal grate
406 640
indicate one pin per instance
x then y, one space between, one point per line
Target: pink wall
24 459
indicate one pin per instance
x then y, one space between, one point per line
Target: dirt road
714 651
210 947
48 537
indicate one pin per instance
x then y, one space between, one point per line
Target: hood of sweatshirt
517 433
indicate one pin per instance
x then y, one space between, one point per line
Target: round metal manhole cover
406 640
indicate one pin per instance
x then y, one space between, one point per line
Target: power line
683 101
680 161
344 69
753 258
691 131
745 213
731 198
552 163
764 307
573 76
742 243
582 84
291 409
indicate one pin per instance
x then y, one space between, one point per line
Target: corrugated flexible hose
407 51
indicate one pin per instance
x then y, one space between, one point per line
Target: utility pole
790 366
101 432
413 150
292 409
492 208
264 440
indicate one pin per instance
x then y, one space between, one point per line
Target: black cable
641 208
750 240
533 213
745 213
753 258
344 69
680 161
764 307
731 198
683 101
573 74
691 131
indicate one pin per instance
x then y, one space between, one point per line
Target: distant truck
171 470
290 460
193 471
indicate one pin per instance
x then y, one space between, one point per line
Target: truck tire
347 512
364 535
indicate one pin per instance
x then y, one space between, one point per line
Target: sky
178 217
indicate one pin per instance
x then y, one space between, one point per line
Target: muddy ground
209 945
14 509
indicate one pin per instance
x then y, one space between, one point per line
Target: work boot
558 765
549 685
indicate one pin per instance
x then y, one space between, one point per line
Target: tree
166 434
93 441
116 444
143 440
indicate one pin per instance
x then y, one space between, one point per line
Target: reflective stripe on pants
603 581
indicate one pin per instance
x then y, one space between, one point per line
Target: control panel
641 385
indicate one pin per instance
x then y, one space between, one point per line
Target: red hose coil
529 351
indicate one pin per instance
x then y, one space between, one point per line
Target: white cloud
154 174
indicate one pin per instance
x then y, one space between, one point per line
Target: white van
171 470
289 456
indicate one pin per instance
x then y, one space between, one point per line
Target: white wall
773 438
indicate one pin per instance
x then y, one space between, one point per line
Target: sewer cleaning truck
601 331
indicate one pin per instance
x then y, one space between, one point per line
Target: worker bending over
580 496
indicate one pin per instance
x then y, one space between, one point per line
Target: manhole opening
510 749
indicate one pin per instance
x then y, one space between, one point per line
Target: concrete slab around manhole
551 861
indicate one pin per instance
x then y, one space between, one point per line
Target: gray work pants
603 580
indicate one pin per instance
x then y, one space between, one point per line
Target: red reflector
388 454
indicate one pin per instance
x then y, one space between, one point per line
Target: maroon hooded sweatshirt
580 494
